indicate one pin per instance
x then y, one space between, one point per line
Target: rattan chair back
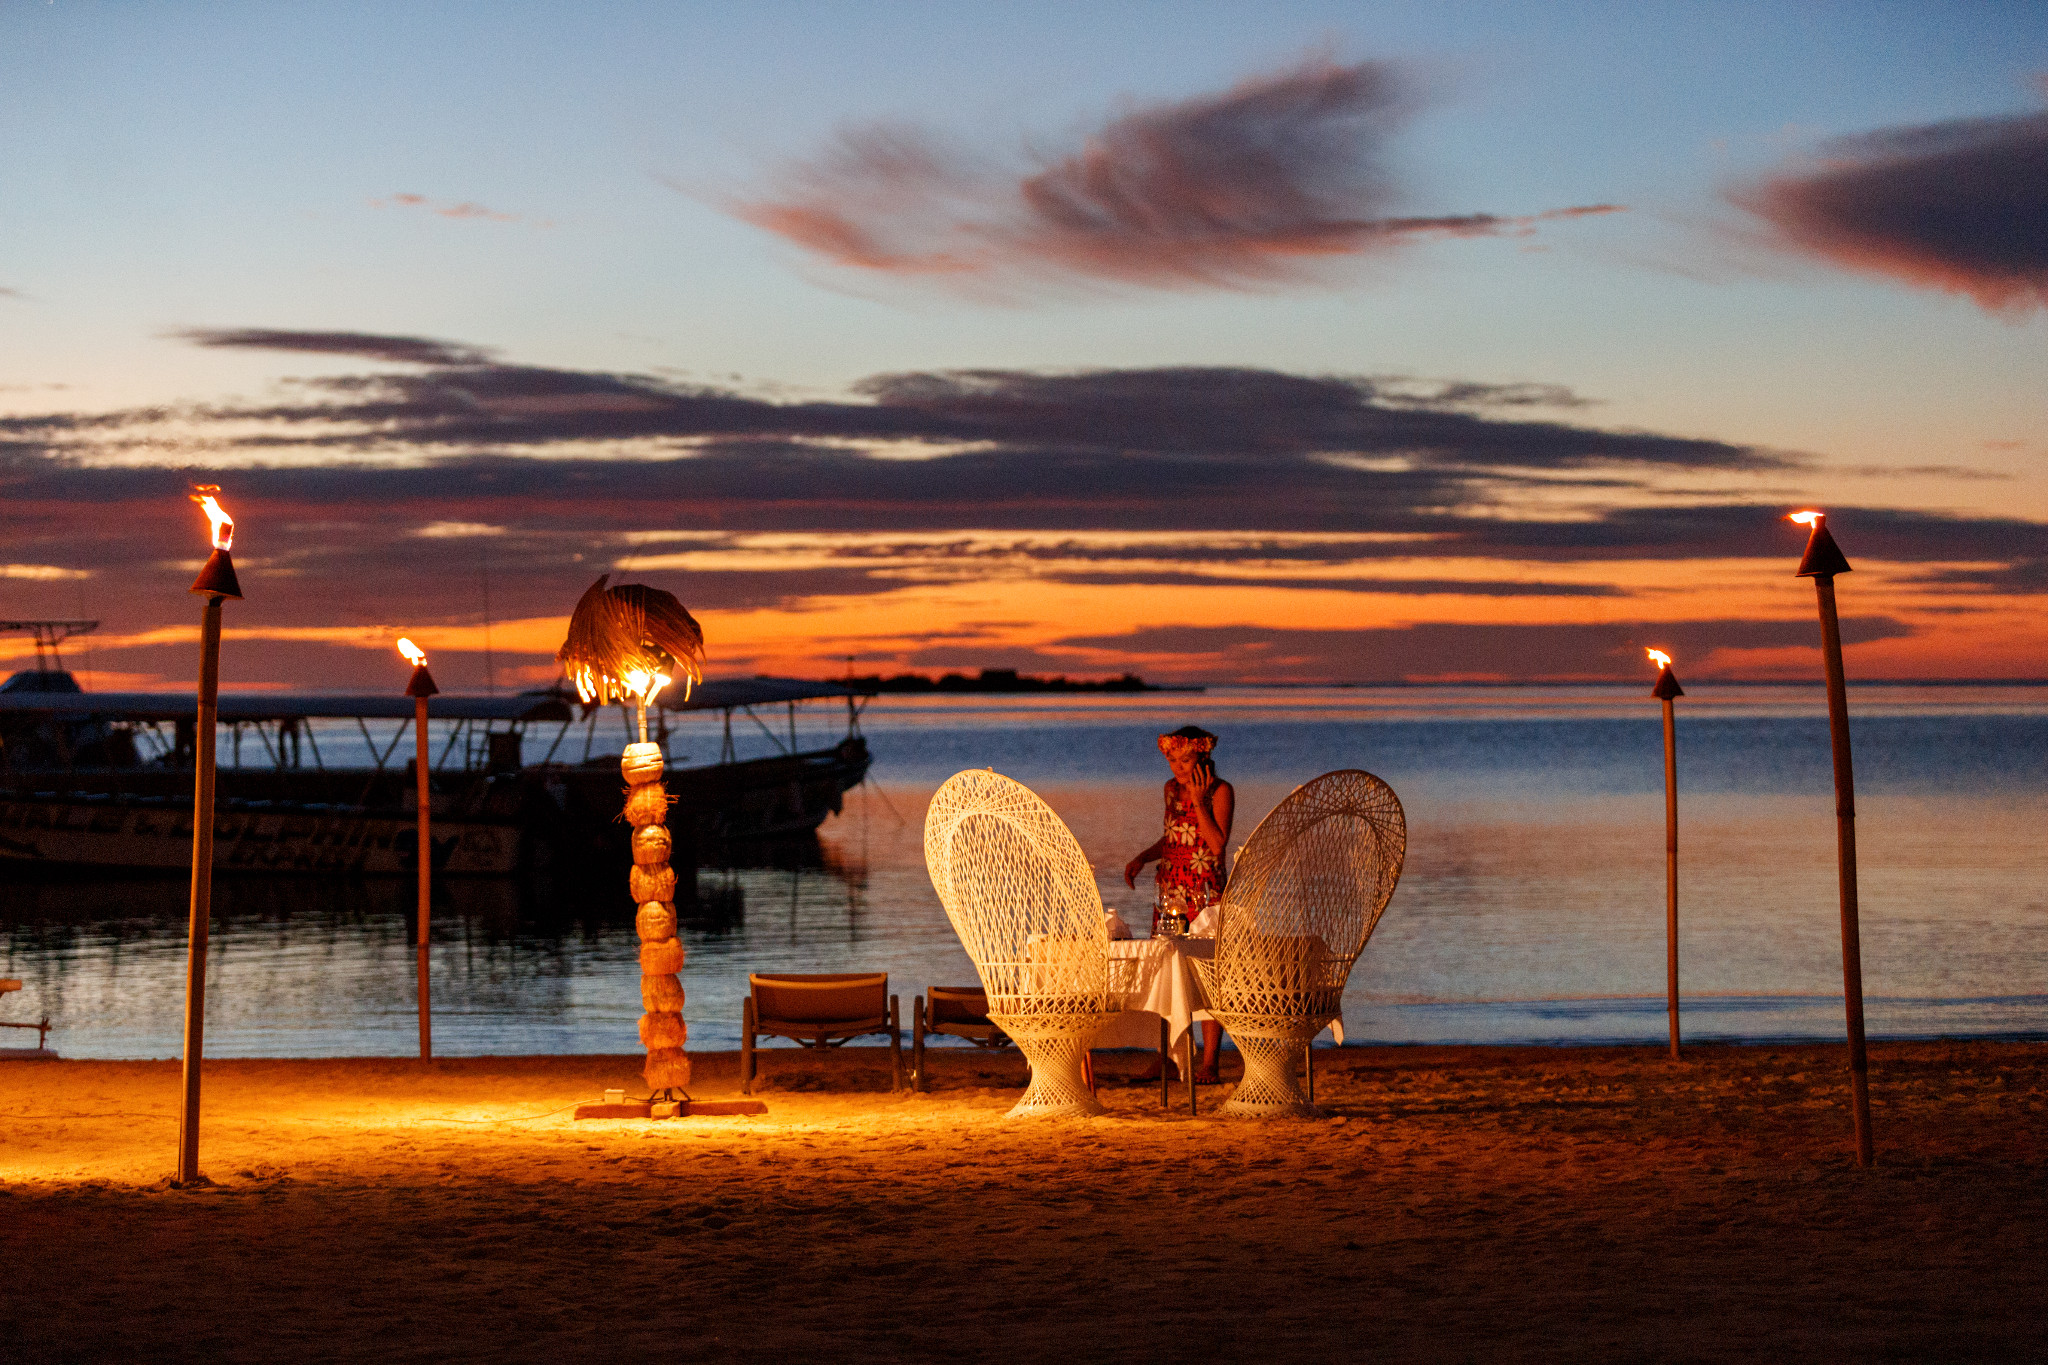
1021 896
1304 896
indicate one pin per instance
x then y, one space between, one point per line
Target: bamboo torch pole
1666 691
216 582
419 689
1822 561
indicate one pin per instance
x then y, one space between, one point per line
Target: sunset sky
1277 341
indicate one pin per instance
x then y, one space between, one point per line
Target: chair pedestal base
1057 1050
1271 1047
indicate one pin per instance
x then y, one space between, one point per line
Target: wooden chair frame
818 1032
42 1028
925 1020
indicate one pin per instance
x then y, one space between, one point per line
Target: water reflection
1531 907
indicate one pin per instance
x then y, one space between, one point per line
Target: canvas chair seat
819 1010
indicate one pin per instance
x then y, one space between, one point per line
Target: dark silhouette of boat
104 779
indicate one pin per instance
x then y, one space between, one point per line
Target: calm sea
1531 908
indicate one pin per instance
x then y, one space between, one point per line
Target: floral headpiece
1185 746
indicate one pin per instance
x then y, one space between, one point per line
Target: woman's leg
1212 1039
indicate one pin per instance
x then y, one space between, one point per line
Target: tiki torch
419 688
215 583
1822 561
1666 690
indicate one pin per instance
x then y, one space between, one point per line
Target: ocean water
1531 907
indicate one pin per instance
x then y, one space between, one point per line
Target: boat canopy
725 694
39 698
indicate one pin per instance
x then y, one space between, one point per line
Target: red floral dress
1189 872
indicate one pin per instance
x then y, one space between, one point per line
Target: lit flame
223 524
643 685
413 653
1659 657
1807 518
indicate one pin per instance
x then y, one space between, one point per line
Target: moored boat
104 780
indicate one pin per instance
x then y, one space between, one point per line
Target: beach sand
1466 1203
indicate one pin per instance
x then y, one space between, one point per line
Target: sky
1217 342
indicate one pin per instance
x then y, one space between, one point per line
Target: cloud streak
361 345
1507 651
1267 185
1960 206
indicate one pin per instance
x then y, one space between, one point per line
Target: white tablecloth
1155 979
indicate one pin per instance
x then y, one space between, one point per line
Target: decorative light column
632 641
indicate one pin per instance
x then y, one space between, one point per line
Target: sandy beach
1513 1203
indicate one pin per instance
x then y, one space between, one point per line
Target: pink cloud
465 209
1264 185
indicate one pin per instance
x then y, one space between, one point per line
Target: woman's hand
1132 869
1200 783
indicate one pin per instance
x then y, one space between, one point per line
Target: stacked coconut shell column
653 882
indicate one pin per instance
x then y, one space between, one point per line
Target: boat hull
280 822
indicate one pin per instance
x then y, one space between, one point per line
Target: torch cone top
630 641
1823 558
422 683
217 577
1667 681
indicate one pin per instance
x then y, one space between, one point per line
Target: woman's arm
1137 864
1214 824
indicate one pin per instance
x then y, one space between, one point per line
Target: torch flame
413 653
1659 657
1807 518
223 524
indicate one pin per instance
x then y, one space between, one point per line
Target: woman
1199 806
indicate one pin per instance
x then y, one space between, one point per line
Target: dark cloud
2026 577
1168 477
1439 649
1960 206
1264 185
365 345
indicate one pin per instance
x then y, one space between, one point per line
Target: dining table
1154 979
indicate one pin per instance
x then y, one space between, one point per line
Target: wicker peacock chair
1024 902
1303 897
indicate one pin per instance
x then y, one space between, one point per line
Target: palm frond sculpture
1023 900
630 642
1304 895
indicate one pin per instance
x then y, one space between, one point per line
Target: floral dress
1190 874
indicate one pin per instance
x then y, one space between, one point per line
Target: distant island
1004 680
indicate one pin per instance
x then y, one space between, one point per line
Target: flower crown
1185 746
